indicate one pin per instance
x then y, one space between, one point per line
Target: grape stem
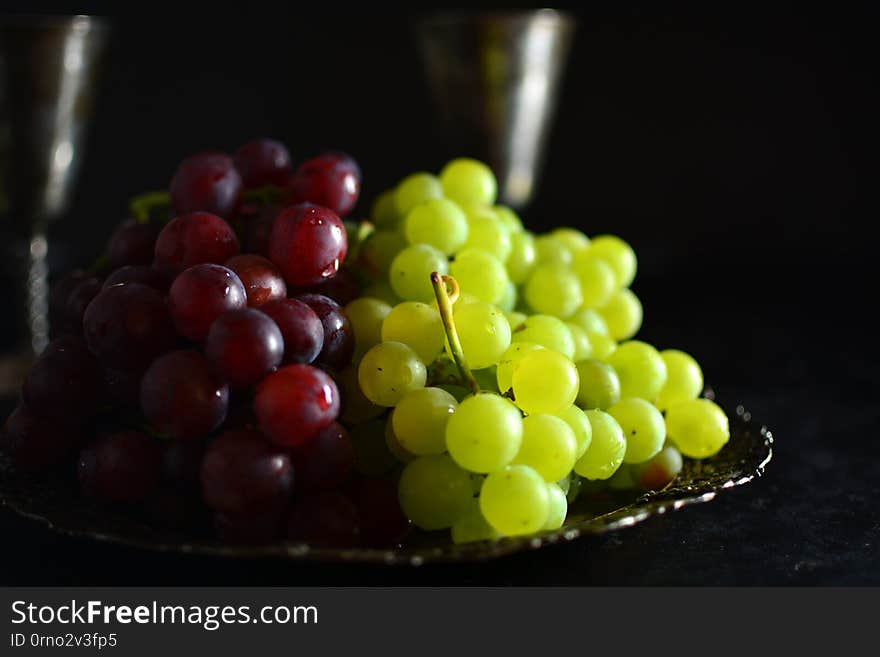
142 205
445 299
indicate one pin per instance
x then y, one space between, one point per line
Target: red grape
259 227
127 326
207 182
34 443
382 522
182 397
243 346
263 162
324 462
132 243
200 295
342 288
154 278
302 329
338 345
307 244
121 467
261 279
325 519
194 239
295 403
332 180
77 303
61 290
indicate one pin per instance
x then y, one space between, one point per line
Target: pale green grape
515 500
397 450
510 218
508 301
550 250
472 526
643 426
660 470
417 325
548 446
485 379
434 492
388 371
640 368
438 222
384 211
366 315
590 320
484 433
547 331
510 360
522 256
622 479
606 451
469 181
599 384
515 319
481 274
483 331
372 458
420 419
597 278
411 271
698 427
379 250
573 239
583 348
583 432
356 408
603 345
623 314
553 289
618 254
414 189
487 232
558 507
545 381
684 379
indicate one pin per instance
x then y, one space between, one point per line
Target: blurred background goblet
48 66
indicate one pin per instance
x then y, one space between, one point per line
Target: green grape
384 211
366 315
472 526
547 331
583 348
551 250
414 189
438 222
573 239
509 218
558 507
510 360
483 332
397 450
372 458
623 314
486 379
684 379
469 181
481 274
597 279
599 384
618 254
487 232
356 408
643 426
545 381
698 427
508 301
381 290
603 345
379 250
522 258
420 419
515 319
515 500
388 371
590 320
640 368
411 271
458 392
606 451
622 479
583 432
553 289
485 433
548 446
434 492
660 470
417 325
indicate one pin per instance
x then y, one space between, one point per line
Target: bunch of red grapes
194 382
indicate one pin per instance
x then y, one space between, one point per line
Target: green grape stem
444 304
142 205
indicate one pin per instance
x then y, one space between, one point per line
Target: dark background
736 152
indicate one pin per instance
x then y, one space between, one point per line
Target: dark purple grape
325 462
301 328
342 288
331 179
61 290
77 303
143 274
262 162
206 182
132 243
200 295
123 388
249 528
194 239
325 519
182 464
127 326
259 228
182 397
308 244
338 346
121 467
381 520
243 346
261 279
34 443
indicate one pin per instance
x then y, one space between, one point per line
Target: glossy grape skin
434 492
243 346
410 273
332 180
515 500
481 274
583 348
338 345
261 279
120 467
484 433
472 526
599 384
415 189
583 431
243 473
182 397
206 182
590 321
383 212
597 278
487 232
466 180
294 403
548 446
382 521
65 383
78 302
618 254
308 244
325 519
419 420
388 371
262 162
623 314
640 368
342 288
301 329
127 326
548 331
143 274
33 443
607 448
698 427
684 379
509 360
418 326
379 250
366 316
573 239
202 293
522 258
194 239
132 243
553 289
660 470
438 222
558 507
325 462
545 381
61 289
483 331
643 426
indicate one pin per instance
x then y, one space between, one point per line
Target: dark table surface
728 149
